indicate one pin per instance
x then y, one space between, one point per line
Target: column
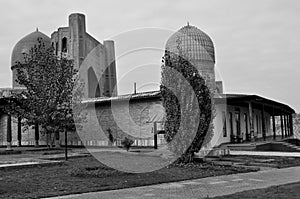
263 122
284 119
291 125
274 126
155 135
288 125
36 134
251 121
8 131
19 131
281 122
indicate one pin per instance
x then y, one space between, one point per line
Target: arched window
64 45
56 48
93 85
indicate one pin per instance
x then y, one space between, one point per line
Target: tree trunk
66 143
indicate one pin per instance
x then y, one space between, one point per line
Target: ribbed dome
26 43
194 43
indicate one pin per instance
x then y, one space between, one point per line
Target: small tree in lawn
50 93
184 111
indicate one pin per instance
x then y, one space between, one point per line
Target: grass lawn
87 174
288 191
269 161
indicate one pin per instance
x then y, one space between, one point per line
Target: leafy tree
181 109
51 91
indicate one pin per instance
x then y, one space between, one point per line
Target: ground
86 174
290 191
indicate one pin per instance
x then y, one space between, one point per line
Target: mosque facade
72 42
238 117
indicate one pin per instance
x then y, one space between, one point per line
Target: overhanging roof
258 102
241 100
120 98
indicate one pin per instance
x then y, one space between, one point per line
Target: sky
256 41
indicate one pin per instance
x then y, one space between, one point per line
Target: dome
26 43
195 44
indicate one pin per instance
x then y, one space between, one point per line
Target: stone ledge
28 164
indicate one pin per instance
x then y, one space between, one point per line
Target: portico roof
242 100
258 102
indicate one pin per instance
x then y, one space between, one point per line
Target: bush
127 143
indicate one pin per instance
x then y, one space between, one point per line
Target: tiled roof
194 43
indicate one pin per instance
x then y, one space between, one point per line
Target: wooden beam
281 123
19 131
274 127
284 119
251 120
36 134
155 135
291 125
287 125
263 122
8 132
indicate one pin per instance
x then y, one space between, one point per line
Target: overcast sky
257 41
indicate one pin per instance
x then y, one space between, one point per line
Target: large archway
93 84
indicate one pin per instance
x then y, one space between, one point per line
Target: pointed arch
93 84
64 44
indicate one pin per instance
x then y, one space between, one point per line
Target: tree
51 90
182 113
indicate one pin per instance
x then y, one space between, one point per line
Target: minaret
77 37
111 77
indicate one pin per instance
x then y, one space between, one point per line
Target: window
56 48
64 45
224 125
93 85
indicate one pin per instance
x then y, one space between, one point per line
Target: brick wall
133 119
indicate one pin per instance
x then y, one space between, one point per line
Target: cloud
257 42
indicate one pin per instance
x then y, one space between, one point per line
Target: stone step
278 146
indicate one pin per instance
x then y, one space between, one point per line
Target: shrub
110 137
127 143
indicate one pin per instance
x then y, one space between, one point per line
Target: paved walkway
34 158
201 188
266 153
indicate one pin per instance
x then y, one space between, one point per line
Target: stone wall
134 119
27 133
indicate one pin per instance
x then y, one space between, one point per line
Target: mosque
239 117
